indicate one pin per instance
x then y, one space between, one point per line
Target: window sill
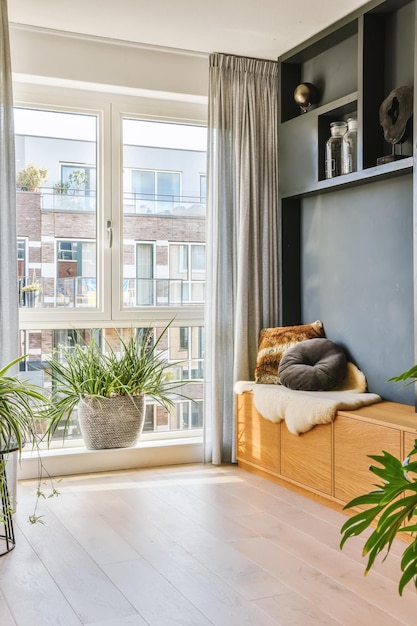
153 453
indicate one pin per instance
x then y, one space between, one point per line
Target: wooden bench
330 461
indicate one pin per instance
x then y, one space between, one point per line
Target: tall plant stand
7 538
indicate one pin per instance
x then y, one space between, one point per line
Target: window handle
109 234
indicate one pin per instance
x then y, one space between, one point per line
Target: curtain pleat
8 245
242 237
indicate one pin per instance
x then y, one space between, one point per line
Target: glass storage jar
333 165
350 147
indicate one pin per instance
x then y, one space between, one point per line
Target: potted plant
391 507
61 188
76 182
22 405
108 388
31 177
31 293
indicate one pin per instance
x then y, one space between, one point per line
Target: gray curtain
242 248
8 246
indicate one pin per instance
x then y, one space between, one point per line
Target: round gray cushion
313 365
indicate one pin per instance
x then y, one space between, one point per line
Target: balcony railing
151 204
78 291
84 201
75 201
81 291
161 292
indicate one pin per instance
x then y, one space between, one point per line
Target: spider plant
21 405
87 371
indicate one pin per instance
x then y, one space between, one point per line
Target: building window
21 261
155 192
78 180
203 187
144 287
76 283
184 338
187 266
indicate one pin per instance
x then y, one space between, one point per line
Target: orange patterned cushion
272 344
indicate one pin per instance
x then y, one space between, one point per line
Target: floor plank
193 545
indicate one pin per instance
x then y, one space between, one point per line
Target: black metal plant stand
6 509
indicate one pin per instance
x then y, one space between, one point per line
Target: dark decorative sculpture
394 113
305 95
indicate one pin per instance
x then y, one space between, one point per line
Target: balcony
162 292
81 292
71 201
151 204
84 201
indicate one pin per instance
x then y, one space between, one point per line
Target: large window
87 281
187 366
59 207
163 170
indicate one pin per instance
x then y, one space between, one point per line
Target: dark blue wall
357 277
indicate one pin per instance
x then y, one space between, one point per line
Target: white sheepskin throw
302 410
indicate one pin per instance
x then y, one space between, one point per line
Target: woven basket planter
111 422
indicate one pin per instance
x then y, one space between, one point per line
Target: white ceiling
256 28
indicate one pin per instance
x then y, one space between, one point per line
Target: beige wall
49 57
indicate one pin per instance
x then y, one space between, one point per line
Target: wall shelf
372 174
348 243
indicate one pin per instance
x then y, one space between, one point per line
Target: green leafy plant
87 371
22 406
76 181
61 188
392 506
408 377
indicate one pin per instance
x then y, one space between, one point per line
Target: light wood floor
191 545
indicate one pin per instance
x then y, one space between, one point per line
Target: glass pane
168 187
144 273
143 183
38 344
163 169
178 261
56 163
198 262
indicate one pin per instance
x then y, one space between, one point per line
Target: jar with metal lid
333 165
350 147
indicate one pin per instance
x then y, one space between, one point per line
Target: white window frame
110 108
79 317
183 315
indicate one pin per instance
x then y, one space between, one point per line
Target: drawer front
258 439
353 442
307 458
